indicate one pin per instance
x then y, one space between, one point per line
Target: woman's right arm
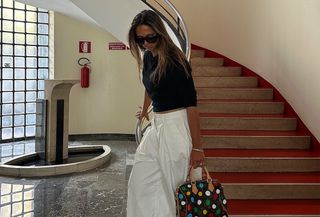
143 111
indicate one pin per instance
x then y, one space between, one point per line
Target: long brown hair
166 49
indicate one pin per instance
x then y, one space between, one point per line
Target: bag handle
205 173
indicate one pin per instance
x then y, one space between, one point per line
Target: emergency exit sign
117 46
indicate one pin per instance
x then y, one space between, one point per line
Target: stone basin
89 157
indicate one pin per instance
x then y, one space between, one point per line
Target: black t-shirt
174 90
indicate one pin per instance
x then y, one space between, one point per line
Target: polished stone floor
100 192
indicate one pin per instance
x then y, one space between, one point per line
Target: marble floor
99 192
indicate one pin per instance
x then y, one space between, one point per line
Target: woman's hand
196 158
142 113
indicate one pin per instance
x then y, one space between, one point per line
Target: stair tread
198 68
274 215
260 136
236 88
268 153
251 133
215 71
279 207
226 77
208 102
267 177
236 100
208 58
231 115
236 67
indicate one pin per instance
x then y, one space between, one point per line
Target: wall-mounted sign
117 46
84 46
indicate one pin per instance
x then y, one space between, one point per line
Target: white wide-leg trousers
161 164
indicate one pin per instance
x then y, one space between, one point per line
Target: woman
172 142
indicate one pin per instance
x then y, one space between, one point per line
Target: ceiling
62 6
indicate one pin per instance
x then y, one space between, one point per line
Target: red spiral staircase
255 144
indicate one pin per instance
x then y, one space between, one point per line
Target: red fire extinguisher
85 70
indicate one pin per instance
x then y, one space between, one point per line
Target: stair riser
256 142
241 108
216 71
274 215
236 164
275 124
226 82
213 62
271 191
232 93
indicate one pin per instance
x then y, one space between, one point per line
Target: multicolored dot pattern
206 202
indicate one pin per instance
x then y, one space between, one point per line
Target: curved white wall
278 39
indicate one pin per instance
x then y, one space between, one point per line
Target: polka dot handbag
201 198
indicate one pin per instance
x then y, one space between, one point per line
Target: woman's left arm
197 155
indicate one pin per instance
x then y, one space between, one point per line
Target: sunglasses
148 38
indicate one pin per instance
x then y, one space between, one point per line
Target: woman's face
146 37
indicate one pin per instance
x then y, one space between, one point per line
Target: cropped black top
174 90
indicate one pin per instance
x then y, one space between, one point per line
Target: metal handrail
184 29
181 31
179 27
139 128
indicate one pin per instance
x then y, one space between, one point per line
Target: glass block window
10 150
17 200
24 59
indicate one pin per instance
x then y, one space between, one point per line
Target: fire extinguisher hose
82 59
